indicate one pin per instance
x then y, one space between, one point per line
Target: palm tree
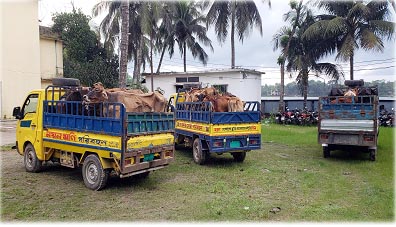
240 15
124 43
109 28
187 29
352 24
302 55
166 34
281 39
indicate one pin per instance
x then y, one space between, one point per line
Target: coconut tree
302 56
187 29
237 15
109 29
352 25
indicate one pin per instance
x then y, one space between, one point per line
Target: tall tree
302 55
83 56
281 40
352 25
109 28
240 16
124 43
187 21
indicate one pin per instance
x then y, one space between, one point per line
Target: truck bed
348 120
135 123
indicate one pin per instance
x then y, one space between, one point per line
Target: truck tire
199 155
239 156
95 177
372 154
32 163
66 82
326 152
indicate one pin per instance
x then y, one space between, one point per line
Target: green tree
187 21
83 56
241 16
352 25
302 55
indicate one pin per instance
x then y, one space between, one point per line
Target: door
27 125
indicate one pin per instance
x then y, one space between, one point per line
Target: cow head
96 95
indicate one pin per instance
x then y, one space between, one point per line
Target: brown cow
235 104
149 102
219 102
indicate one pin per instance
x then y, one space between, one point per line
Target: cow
148 102
348 95
235 104
73 94
219 102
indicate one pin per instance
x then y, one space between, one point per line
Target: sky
256 52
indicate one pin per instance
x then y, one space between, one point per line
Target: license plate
148 157
235 144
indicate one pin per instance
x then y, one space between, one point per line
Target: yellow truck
52 129
209 132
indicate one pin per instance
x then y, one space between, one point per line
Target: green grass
288 172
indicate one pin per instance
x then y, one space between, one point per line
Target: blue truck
209 132
349 123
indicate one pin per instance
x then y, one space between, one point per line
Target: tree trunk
138 60
282 89
298 11
351 66
185 56
151 61
162 56
233 4
124 43
305 89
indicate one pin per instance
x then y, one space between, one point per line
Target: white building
244 83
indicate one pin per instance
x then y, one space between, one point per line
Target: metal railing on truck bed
202 112
341 107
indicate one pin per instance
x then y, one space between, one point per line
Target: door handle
33 125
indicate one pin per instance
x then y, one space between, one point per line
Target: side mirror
17 112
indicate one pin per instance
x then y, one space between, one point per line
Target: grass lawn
288 180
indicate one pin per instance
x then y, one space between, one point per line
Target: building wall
245 85
51 60
20 53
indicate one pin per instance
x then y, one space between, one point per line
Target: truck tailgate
347 125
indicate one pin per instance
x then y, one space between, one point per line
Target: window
181 79
193 79
187 79
222 88
30 105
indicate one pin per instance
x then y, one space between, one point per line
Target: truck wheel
372 154
239 156
326 152
199 156
32 163
95 177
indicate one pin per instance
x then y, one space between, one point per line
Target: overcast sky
256 52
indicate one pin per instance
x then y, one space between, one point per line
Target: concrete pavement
7 132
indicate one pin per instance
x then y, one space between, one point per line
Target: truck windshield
30 105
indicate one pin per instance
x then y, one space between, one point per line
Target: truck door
27 128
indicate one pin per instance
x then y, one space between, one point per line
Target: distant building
30 55
51 57
243 83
